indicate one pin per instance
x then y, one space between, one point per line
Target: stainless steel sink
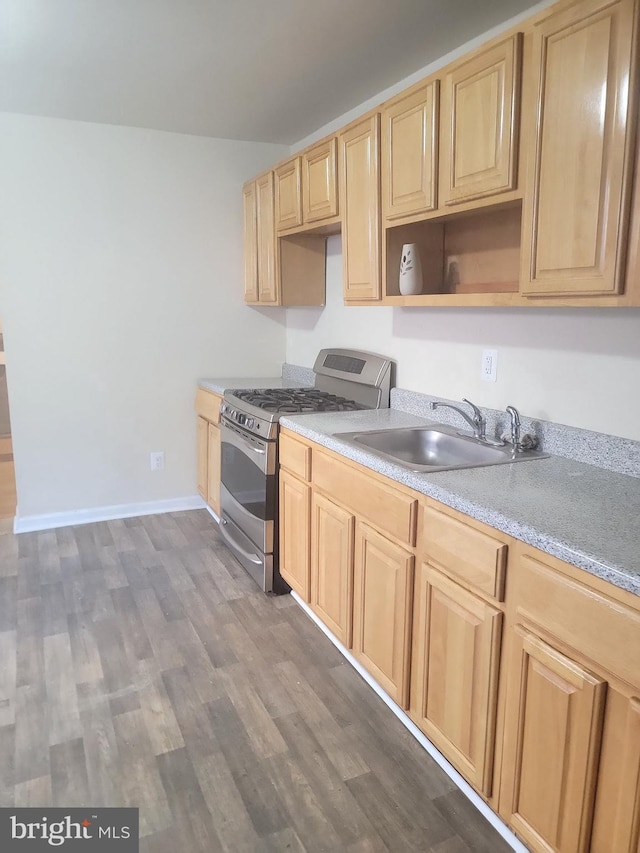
434 447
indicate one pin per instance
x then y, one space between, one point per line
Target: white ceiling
261 70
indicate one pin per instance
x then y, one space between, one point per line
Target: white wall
579 367
120 285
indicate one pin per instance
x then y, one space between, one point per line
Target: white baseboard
31 523
440 760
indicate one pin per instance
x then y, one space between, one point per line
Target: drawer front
466 552
295 456
390 510
603 630
208 405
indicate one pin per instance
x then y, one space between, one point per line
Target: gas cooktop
295 400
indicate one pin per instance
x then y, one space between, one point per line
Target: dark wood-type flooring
140 666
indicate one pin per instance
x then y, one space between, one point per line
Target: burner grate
295 400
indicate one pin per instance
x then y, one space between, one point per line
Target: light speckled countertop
584 515
219 386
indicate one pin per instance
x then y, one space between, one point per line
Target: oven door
248 485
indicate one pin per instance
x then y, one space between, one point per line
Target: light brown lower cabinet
571 749
454 681
208 446
521 669
382 605
332 566
553 731
295 532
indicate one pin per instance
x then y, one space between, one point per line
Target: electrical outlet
489 365
156 460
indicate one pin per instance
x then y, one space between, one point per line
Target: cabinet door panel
288 195
202 439
361 210
294 530
332 567
320 181
455 674
213 465
479 142
266 240
249 206
382 604
575 219
552 739
409 147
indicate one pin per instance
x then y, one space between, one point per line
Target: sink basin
434 448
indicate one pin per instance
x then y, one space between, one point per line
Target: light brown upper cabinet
260 279
320 181
575 209
288 194
278 270
306 188
360 204
480 108
250 225
409 151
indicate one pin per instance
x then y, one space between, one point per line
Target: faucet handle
477 414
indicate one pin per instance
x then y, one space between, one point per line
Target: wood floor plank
228 812
195 723
31 733
87 665
187 802
35 792
147 669
7 766
267 810
100 744
69 782
335 741
338 805
162 726
396 825
139 781
62 699
473 830
8 676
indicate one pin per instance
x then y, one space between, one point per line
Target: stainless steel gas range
345 380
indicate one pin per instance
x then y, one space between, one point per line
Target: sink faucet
520 442
515 427
477 422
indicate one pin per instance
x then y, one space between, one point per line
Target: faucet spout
476 421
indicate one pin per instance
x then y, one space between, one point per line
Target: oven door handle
226 534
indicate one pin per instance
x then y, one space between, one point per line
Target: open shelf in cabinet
470 258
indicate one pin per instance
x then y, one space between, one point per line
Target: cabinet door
553 727
409 147
250 243
382 603
213 466
361 210
454 681
575 217
288 195
332 567
320 181
479 121
294 530
202 441
266 240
